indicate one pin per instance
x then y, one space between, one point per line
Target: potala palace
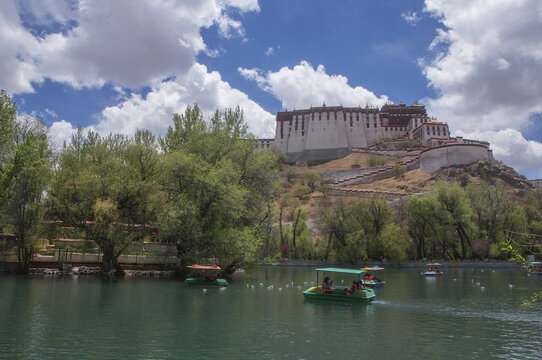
332 132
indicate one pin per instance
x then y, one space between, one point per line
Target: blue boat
370 280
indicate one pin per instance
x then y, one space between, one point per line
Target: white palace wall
327 134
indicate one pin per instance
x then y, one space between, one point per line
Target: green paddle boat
355 292
207 276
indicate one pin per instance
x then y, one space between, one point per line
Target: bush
310 178
291 176
377 161
301 191
400 169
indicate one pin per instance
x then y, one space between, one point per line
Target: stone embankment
91 270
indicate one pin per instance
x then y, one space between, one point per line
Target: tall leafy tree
108 188
8 136
218 188
24 176
454 212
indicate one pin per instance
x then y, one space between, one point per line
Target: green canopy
344 271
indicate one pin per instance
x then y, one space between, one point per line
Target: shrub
301 191
377 161
400 169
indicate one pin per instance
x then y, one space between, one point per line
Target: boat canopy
344 271
373 268
204 267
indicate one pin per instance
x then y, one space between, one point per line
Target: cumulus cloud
304 85
487 74
130 45
60 132
156 109
510 146
126 43
411 17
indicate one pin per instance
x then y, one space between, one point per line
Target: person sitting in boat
436 269
360 284
326 285
212 277
430 269
352 289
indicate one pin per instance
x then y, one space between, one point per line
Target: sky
122 65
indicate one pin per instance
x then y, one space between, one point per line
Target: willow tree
107 188
218 188
24 176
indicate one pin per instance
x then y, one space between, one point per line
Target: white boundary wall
434 159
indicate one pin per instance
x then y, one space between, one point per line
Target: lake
465 314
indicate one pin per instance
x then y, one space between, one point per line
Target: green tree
372 216
25 176
395 242
8 137
422 222
219 189
108 187
454 212
310 179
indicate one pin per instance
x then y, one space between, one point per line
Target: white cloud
51 113
512 148
411 17
269 51
155 111
126 43
488 77
303 86
60 132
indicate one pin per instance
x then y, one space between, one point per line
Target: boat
339 293
535 268
207 276
433 272
370 280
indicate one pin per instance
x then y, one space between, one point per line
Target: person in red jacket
326 286
352 289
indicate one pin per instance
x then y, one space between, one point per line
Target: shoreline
8 267
406 264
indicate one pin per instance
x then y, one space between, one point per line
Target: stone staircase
410 159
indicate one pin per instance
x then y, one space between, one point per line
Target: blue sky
115 66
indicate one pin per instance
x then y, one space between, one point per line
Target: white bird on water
510 286
204 291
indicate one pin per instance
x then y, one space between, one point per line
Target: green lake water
466 314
